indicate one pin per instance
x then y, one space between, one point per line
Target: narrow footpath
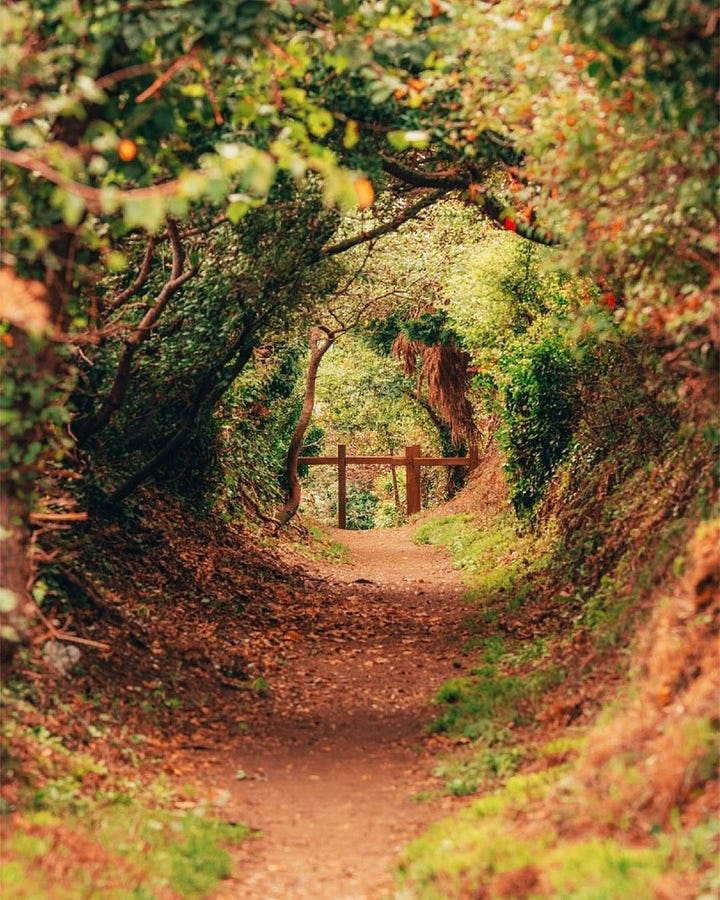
330 774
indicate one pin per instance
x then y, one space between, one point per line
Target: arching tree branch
85 428
409 213
321 339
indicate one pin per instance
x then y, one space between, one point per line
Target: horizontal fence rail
412 461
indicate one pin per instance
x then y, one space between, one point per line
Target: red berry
510 224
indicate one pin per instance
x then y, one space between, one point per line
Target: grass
480 769
474 705
72 827
505 844
119 850
319 546
481 851
493 558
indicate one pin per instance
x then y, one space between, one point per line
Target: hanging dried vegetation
444 369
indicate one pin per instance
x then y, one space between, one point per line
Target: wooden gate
412 461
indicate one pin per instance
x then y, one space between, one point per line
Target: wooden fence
412 461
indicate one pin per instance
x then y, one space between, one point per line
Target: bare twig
85 428
58 635
387 227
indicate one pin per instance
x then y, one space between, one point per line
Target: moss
468 853
79 830
494 558
604 870
475 705
116 851
458 854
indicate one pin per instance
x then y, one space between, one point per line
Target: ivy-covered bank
587 721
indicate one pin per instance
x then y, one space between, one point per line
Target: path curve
332 770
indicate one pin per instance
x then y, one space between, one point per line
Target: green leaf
8 633
336 61
402 140
237 210
8 600
319 122
73 209
193 90
148 213
116 261
352 134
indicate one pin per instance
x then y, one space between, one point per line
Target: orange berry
127 150
365 193
534 44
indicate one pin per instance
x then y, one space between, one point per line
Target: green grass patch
117 851
319 545
476 705
480 849
75 828
570 745
479 769
605 870
494 558
497 757
456 855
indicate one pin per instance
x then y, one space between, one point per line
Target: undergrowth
551 606
75 826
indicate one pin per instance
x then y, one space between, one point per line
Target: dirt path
333 764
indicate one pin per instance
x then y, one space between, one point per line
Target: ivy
539 413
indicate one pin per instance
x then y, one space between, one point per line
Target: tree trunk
320 342
29 366
17 609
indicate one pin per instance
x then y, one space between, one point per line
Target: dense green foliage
187 188
539 407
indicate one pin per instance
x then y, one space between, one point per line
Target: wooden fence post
342 486
412 479
473 457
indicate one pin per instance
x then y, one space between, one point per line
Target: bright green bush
539 414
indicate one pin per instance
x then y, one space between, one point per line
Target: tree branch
92 196
388 227
206 396
90 425
142 277
447 180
